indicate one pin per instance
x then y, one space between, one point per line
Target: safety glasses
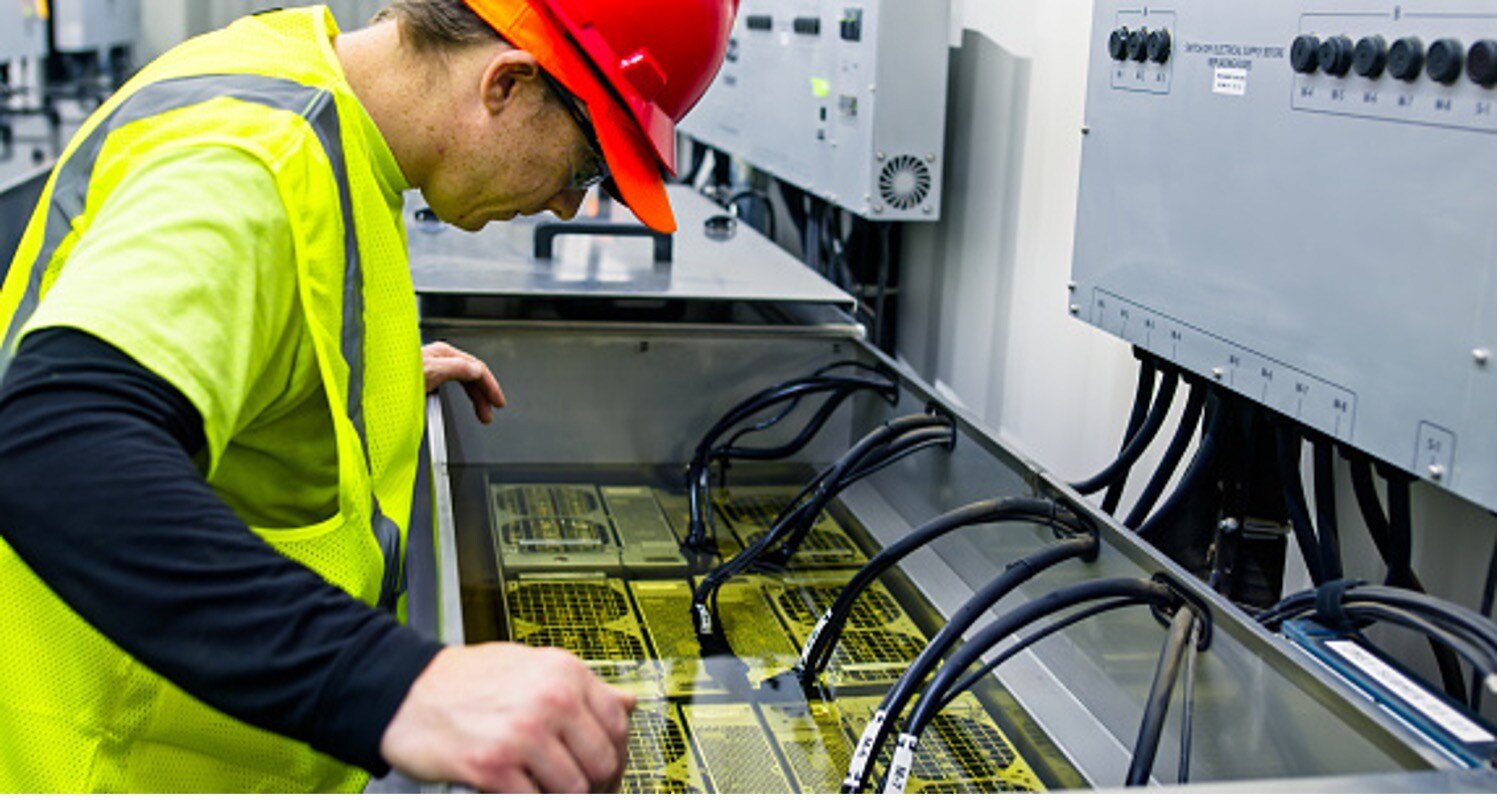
594 170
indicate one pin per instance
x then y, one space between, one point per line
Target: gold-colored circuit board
595 570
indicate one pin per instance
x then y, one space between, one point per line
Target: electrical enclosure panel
23 32
845 99
83 25
1297 201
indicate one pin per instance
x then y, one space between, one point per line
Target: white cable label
705 622
900 764
900 771
863 750
812 639
1403 687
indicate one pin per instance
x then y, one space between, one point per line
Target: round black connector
1119 44
1336 55
1137 44
1405 59
1369 57
1305 53
1159 46
1481 64
1445 60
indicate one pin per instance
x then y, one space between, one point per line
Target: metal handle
546 232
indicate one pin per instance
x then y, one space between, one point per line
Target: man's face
512 150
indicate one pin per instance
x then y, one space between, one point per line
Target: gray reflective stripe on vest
317 106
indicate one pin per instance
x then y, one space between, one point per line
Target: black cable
1451 616
1289 465
1486 606
929 704
1362 476
1323 493
902 447
1192 415
1145 386
1465 648
1159 699
1189 683
783 397
819 649
1398 501
1085 546
1120 468
765 199
1031 639
810 503
1199 470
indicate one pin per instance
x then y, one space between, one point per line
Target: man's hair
438 26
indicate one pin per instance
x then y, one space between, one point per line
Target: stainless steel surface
450 624
1322 245
587 398
500 262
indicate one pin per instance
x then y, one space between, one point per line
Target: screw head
1436 471
880 156
1074 310
1218 373
1481 356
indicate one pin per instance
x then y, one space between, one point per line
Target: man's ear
503 74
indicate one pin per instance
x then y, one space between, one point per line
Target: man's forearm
100 498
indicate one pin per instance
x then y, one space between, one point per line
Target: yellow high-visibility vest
77 714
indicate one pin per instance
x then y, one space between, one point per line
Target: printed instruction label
1231 81
1403 687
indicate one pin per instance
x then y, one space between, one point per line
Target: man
212 392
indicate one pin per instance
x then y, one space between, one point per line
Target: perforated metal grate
547 501
558 603
806 604
557 534
736 752
611 654
877 646
955 746
825 547
757 510
962 752
643 783
659 760
655 741
813 742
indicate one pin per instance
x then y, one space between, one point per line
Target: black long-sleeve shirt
100 497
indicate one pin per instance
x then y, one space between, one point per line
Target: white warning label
1231 81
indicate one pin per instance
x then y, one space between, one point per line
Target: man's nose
565 204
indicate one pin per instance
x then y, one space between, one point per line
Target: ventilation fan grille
905 182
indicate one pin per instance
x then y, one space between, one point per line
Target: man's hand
507 718
442 362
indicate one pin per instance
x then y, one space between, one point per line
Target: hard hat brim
635 170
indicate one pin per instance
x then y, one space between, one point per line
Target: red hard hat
639 67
